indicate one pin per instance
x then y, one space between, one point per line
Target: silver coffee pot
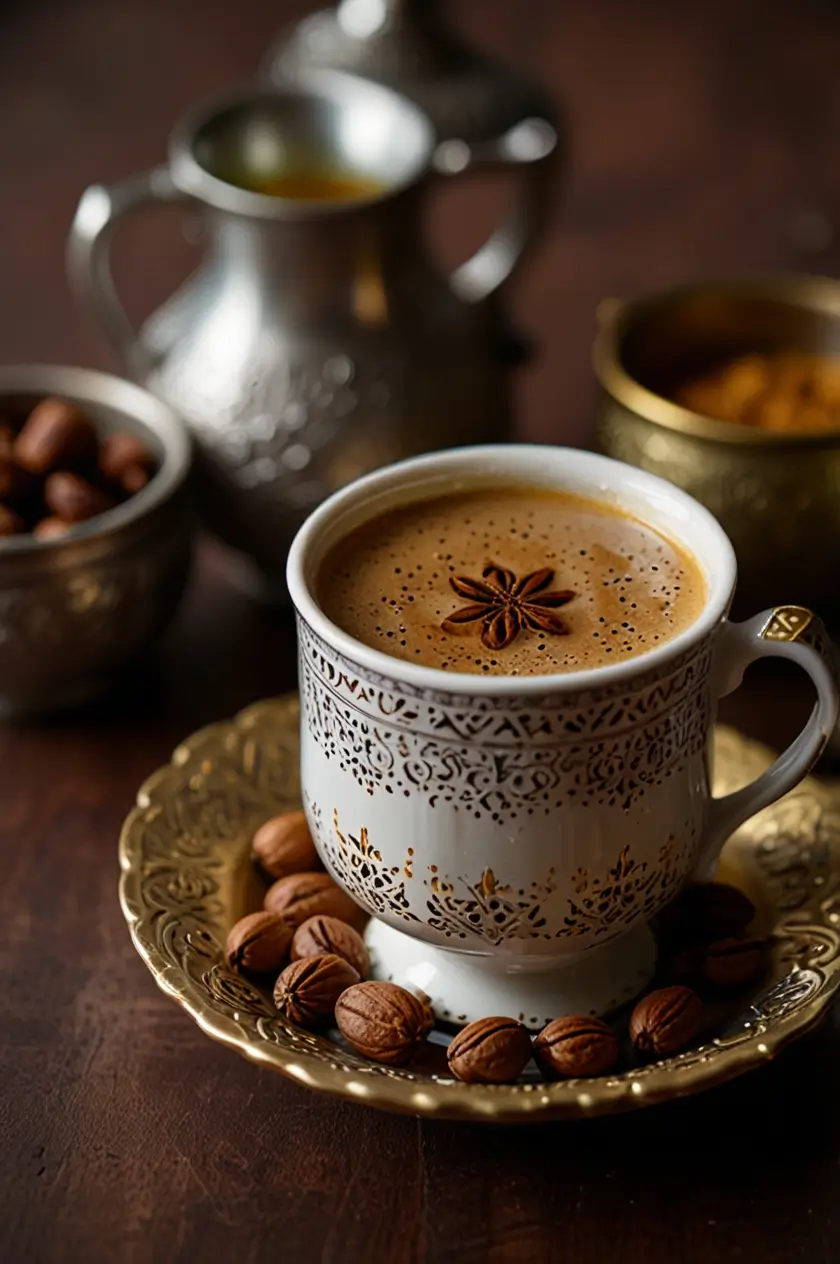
413 47
317 340
410 46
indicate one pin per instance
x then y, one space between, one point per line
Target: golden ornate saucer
187 876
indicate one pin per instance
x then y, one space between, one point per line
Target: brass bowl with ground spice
785 392
731 390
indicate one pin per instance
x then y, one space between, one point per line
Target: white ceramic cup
512 837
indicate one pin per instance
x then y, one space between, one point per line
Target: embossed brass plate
186 876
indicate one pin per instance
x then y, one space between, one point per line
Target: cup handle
785 632
88 265
531 146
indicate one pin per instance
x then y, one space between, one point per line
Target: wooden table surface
705 141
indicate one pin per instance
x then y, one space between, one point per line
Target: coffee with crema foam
510 581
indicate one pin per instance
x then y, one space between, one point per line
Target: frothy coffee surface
389 584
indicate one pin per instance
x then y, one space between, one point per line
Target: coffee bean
55 435
134 479
73 499
121 452
50 529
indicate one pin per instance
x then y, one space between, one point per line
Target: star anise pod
504 605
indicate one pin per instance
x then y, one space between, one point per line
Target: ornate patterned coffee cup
512 837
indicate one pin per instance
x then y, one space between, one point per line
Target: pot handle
787 632
532 147
88 266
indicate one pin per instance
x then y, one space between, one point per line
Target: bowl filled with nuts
731 390
94 531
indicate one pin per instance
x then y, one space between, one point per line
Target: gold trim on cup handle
790 632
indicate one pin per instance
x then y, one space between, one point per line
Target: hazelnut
303 895
489 1051
307 990
383 1021
284 845
321 934
259 942
576 1046
666 1020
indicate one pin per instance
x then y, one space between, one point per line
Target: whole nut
489 1051
571 1047
708 911
284 845
259 942
730 963
307 990
121 453
73 499
321 934
50 528
383 1021
666 1020
55 434
10 522
134 479
303 895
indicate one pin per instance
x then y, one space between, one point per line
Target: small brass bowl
776 495
76 611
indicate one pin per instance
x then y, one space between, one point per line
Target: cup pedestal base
463 986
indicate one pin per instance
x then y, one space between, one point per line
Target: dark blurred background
703 142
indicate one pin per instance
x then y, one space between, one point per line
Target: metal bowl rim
91 387
616 318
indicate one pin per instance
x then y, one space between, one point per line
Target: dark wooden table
705 141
